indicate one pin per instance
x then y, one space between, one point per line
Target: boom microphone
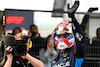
8 40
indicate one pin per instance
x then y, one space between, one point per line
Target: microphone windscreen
8 40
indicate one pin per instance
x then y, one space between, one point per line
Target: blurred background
46 14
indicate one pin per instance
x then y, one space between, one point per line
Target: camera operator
37 41
21 61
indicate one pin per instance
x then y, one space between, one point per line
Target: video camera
19 46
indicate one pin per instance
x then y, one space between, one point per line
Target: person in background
16 30
21 61
37 41
85 28
84 24
47 55
97 34
96 44
24 30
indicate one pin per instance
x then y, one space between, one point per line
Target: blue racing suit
74 56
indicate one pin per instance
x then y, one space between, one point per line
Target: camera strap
24 63
8 51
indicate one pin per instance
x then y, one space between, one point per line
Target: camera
33 34
19 49
19 46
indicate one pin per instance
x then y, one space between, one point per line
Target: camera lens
20 49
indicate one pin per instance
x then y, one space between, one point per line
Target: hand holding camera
18 47
9 54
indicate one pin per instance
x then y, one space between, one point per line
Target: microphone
8 40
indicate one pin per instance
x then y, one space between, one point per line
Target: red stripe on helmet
67 42
63 23
57 43
66 23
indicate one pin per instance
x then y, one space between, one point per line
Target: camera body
19 46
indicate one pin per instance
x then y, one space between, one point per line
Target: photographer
21 61
37 41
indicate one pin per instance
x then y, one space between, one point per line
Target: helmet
65 29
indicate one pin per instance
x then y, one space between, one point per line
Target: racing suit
74 56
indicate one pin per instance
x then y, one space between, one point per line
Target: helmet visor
63 36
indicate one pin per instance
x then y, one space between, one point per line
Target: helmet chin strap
66 52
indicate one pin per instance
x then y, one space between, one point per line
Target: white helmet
64 28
